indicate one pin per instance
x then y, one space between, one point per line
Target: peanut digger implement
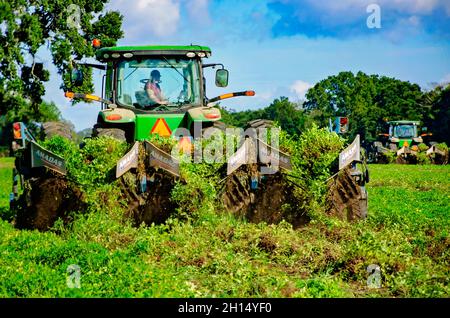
130 113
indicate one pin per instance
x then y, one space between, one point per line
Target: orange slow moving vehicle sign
161 128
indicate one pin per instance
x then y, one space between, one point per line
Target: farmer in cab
154 90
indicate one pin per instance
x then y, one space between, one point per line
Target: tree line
369 101
65 28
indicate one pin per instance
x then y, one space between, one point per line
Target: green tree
437 115
290 116
66 28
368 101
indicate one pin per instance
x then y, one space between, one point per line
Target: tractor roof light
128 55
190 54
69 94
201 54
17 131
96 43
115 55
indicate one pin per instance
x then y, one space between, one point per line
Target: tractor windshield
405 131
151 82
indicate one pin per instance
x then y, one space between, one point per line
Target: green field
406 235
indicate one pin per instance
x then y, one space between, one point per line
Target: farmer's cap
155 74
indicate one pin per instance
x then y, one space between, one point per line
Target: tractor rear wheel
55 128
393 146
116 133
220 125
216 124
260 123
207 130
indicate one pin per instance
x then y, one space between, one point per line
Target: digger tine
130 160
273 156
257 151
160 159
239 158
434 149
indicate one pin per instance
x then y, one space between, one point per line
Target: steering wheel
161 107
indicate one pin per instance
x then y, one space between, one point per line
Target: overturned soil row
154 205
439 159
345 197
271 202
46 199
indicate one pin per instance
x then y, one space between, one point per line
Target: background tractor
406 142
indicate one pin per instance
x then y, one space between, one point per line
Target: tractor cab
404 133
157 78
154 90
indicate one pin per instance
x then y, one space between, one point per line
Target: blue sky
283 47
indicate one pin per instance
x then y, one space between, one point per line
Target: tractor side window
150 83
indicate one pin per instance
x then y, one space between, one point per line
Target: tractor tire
116 133
220 125
393 147
54 128
260 123
217 125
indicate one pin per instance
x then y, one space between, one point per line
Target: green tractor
404 140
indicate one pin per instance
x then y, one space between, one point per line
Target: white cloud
447 8
405 27
198 11
445 79
152 17
300 88
414 6
421 7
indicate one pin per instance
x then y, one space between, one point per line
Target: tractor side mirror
424 129
76 77
222 78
